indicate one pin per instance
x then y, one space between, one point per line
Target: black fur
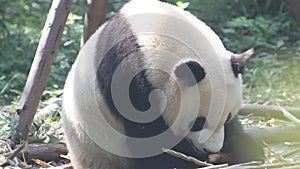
239 146
198 124
238 65
239 61
139 88
197 70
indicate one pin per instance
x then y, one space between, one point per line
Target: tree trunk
39 72
94 17
294 6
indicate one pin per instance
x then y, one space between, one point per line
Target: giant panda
154 77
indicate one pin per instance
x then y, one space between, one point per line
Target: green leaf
279 43
182 5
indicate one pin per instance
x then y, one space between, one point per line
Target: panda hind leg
85 153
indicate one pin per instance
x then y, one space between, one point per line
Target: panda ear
238 61
183 72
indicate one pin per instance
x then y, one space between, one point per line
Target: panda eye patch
199 124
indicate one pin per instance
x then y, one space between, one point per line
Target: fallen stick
54 106
276 134
292 152
277 165
41 163
64 166
11 159
185 157
264 110
44 152
291 117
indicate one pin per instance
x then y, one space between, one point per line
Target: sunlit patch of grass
273 78
7 123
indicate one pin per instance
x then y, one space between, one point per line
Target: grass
273 78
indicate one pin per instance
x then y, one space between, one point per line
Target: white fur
78 116
166 34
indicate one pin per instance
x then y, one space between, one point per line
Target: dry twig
193 159
41 163
289 116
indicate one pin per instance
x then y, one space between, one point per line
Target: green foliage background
272 76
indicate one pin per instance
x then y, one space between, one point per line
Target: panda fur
119 43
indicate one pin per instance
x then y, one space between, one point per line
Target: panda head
206 134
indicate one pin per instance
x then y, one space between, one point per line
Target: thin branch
12 160
54 106
248 164
292 152
276 134
276 165
264 110
18 150
289 116
41 163
191 159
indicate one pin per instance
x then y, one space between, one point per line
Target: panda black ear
183 72
238 61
